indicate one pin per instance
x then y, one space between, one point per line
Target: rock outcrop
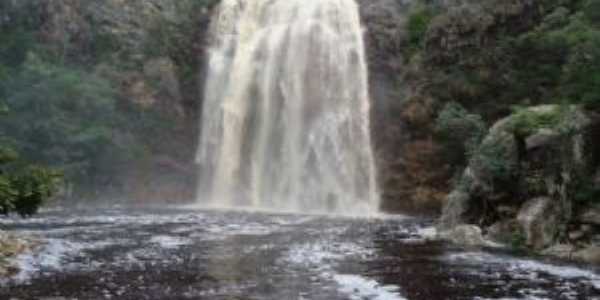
466 235
524 192
539 220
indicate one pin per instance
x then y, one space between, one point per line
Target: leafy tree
461 132
592 11
66 118
581 80
417 25
24 188
33 185
459 127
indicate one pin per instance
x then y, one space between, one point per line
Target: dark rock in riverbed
589 254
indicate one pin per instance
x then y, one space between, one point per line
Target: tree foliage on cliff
66 76
491 55
63 117
23 187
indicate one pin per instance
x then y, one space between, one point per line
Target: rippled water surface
183 254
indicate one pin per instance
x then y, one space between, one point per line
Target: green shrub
581 81
66 118
24 188
585 192
592 11
417 26
491 159
8 195
455 123
18 19
33 185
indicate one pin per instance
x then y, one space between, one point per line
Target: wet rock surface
183 254
538 219
525 191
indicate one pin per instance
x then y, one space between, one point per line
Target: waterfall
285 123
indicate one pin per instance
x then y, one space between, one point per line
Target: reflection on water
230 255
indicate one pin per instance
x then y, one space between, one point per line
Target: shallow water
183 254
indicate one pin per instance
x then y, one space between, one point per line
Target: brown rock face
412 176
539 220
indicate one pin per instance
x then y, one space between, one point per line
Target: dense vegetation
78 95
23 188
507 94
484 60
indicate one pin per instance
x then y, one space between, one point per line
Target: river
192 254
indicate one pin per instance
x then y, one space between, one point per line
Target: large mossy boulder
538 151
528 172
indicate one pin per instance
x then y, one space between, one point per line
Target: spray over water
285 123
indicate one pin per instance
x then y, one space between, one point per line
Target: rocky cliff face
153 51
422 55
413 173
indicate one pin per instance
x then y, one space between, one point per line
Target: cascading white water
285 123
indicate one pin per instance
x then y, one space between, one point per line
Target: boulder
542 138
590 254
466 235
537 153
590 215
564 251
503 231
539 220
576 235
454 211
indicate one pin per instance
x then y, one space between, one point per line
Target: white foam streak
526 267
358 288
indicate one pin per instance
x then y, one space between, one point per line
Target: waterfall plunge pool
183 254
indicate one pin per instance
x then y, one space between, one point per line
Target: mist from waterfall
285 123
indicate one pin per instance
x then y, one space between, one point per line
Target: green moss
526 121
